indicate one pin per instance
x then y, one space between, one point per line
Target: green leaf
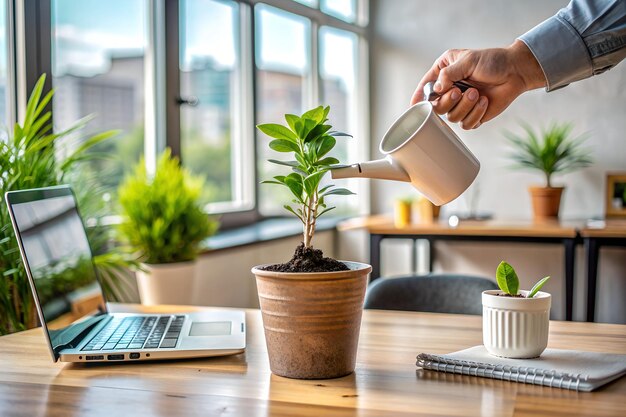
312 181
272 182
327 161
316 114
537 287
339 191
507 278
294 182
316 132
336 133
290 209
325 144
292 121
281 145
285 163
277 131
324 211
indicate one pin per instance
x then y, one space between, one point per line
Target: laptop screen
58 256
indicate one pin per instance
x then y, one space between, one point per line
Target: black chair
436 293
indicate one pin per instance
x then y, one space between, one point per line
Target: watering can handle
430 94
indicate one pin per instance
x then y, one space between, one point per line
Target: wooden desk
386 382
612 233
564 233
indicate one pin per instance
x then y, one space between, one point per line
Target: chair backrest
437 293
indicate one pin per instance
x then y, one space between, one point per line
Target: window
283 74
195 75
210 134
98 69
5 103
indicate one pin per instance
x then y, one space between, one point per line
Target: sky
86 31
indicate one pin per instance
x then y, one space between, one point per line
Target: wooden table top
385 383
610 228
383 224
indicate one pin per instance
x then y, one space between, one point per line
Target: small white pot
515 327
172 283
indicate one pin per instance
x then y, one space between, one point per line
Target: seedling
509 282
310 139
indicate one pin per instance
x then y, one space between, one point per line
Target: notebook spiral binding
504 372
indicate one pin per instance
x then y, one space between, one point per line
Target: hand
500 75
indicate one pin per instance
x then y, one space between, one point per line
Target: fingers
464 106
447 101
431 75
458 70
475 116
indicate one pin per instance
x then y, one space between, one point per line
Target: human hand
499 76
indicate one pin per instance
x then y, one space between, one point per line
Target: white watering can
420 148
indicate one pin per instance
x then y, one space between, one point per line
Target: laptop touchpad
212 328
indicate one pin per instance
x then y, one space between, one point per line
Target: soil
308 260
511 296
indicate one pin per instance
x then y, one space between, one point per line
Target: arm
583 39
587 37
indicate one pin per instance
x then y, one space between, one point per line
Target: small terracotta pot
402 213
312 320
546 201
171 283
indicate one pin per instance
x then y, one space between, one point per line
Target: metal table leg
592 252
570 258
375 241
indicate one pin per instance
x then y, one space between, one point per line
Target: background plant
551 151
309 139
29 159
509 282
163 220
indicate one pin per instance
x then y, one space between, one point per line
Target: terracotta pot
402 213
546 201
312 320
171 283
429 213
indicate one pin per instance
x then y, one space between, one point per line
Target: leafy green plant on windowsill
29 159
163 220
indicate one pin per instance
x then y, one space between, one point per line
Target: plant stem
548 183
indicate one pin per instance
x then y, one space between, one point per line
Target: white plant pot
172 283
516 327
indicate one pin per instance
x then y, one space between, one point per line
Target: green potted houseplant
164 225
311 306
552 151
30 158
515 322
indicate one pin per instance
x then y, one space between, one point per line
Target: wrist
526 65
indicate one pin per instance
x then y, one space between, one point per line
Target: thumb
457 71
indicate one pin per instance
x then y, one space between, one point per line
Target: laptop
71 305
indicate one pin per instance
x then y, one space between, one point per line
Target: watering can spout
383 169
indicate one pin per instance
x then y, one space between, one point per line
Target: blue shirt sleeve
585 38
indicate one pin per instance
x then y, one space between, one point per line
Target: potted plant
311 306
553 151
515 323
164 225
30 157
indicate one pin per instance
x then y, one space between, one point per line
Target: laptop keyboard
141 332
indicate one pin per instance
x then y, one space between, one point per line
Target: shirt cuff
560 51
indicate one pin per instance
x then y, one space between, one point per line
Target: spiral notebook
569 369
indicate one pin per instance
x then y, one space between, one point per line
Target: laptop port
94 357
115 357
133 355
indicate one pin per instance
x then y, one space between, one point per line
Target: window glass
338 55
343 9
208 72
283 69
4 75
98 69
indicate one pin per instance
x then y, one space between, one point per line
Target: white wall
407 37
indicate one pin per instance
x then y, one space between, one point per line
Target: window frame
30 50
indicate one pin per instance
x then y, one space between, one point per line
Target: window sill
263 231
